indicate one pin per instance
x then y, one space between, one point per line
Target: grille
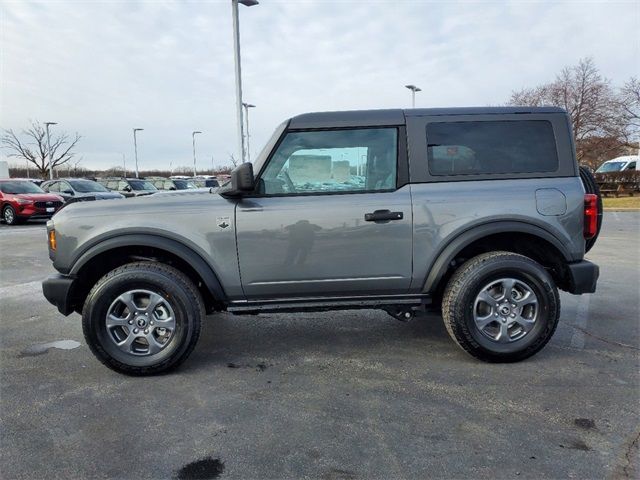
56 204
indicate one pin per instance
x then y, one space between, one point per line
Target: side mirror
242 178
242 181
127 188
68 192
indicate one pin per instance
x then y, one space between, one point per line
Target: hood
160 204
100 195
38 197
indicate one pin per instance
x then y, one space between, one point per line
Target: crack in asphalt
627 456
611 342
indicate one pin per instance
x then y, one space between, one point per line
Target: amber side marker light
52 239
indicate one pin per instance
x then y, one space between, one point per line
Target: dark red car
21 200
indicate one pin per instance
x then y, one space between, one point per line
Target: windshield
85 186
19 187
184 185
141 185
611 167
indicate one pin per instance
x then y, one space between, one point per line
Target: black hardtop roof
397 116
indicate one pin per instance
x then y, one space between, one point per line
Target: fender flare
440 265
195 260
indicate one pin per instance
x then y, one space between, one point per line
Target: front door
329 218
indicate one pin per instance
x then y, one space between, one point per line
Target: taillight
590 215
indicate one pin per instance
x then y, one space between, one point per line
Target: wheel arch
110 253
518 237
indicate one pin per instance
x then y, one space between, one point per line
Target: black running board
316 304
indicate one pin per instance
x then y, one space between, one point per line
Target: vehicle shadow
230 340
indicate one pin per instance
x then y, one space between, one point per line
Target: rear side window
488 147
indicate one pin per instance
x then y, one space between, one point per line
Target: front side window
491 147
333 161
53 187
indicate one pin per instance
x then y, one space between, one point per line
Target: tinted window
184 185
141 185
631 166
333 161
471 148
19 187
86 186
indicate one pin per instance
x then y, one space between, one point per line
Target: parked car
203 182
79 188
129 187
22 200
162 183
620 164
479 212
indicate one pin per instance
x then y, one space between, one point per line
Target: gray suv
479 212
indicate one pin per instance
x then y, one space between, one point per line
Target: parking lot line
582 316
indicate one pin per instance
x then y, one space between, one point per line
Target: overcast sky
101 68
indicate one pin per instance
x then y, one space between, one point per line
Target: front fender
188 253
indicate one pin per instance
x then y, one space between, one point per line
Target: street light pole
124 166
193 138
135 147
236 57
413 89
49 149
247 106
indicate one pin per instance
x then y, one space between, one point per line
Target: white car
620 164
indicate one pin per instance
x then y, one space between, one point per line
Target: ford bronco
480 212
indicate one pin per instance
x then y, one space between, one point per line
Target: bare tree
36 149
234 161
596 112
630 106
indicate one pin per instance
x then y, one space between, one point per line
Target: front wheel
9 215
142 318
501 307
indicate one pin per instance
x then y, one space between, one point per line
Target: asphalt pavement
337 395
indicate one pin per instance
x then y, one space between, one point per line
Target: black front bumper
583 277
58 289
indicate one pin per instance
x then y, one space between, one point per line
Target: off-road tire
591 186
159 278
467 282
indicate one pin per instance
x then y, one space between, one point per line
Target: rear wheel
142 318
501 307
591 186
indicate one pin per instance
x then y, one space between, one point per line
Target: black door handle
383 216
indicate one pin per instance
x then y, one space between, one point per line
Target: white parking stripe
582 316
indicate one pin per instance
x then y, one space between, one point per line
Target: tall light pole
49 149
236 56
193 138
247 106
124 166
413 89
135 147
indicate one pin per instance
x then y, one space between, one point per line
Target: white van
620 164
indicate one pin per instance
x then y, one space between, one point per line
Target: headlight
23 201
